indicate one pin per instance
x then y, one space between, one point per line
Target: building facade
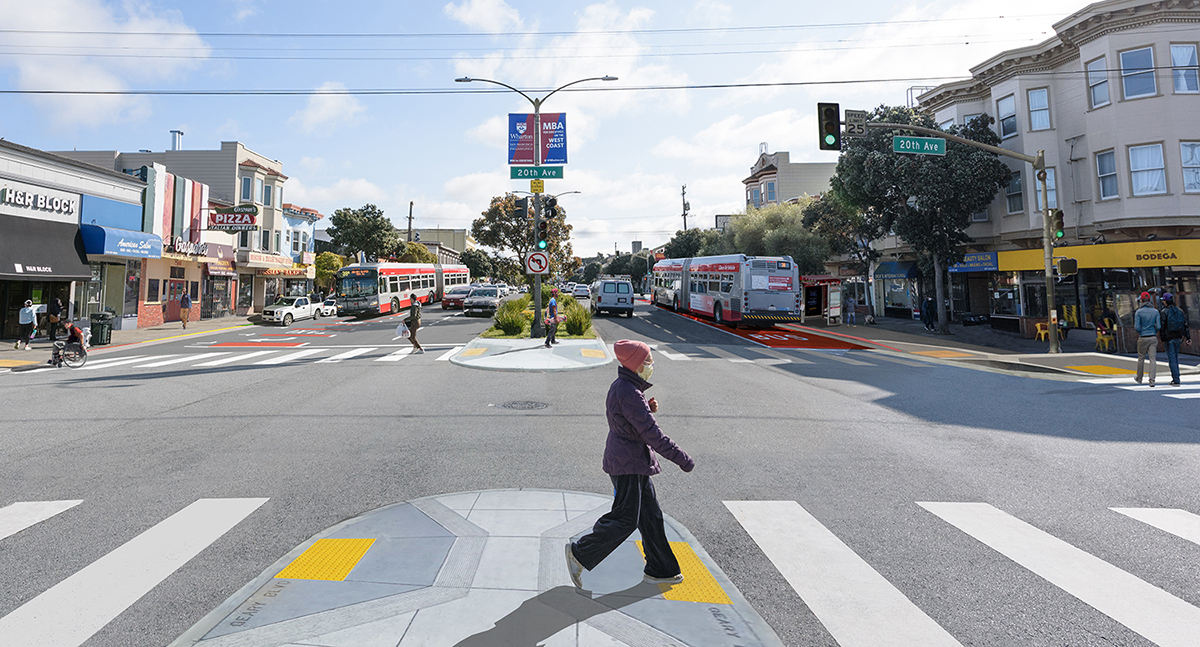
459 240
1113 100
776 180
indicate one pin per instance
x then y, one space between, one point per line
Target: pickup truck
285 310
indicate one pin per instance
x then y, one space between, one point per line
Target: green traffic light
541 244
830 139
1060 233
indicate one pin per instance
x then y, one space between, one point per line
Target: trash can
101 328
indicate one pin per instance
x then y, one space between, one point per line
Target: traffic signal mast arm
1038 162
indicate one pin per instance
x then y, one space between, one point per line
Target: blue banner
554 138
978 262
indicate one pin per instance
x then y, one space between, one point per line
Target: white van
612 295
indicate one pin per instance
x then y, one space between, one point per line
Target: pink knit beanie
631 354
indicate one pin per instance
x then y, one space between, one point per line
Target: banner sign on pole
554 138
522 138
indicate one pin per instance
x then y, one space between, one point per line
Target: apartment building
774 179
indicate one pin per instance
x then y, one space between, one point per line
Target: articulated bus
736 289
380 288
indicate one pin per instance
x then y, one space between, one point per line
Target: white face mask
646 372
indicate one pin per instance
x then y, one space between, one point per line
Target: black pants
551 330
635 507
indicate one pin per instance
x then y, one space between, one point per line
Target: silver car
482 302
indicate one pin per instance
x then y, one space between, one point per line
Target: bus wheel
717 314
395 305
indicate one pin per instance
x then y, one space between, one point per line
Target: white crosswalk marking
354 352
675 356
180 360
1146 609
102 590
119 362
287 358
1180 523
445 357
228 360
18 516
856 604
396 356
101 362
1183 396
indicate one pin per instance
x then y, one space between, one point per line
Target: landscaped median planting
514 319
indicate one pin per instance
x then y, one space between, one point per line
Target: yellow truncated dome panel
698 584
328 559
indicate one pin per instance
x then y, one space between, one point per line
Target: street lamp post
536 330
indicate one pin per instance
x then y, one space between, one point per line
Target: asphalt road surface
984 500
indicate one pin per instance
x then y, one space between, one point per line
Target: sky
632 143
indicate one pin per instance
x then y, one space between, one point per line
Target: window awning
33 249
897 270
111 241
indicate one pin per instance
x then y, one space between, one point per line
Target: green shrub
578 318
510 317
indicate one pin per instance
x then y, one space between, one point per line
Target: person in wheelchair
74 336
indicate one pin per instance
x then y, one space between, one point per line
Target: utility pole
410 207
686 206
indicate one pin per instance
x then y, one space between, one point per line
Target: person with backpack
1174 331
1146 324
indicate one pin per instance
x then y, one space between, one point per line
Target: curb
608 359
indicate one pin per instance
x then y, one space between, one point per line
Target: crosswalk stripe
106 361
1180 523
855 603
1144 608
18 516
396 356
675 356
287 358
1183 396
103 589
445 357
179 360
241 356
1160 388
127 360
834 356
770 353
354 352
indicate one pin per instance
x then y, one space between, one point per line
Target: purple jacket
633 432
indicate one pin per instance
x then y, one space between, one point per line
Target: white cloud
245 9
326 109
492 133
34 72
345 192
733 141
484 15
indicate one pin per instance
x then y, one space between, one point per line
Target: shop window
1039 109
1190 153
247 190
1051 191
1137 73
194 288
1147 173
1106 172
133 287
1006 109
177 272
1185 70
1097 74
152 290
1013 194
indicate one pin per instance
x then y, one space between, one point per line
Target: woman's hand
653 405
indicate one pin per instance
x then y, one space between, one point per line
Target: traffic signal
829 122
543 234
550 207
1057 228
1067 266
523 207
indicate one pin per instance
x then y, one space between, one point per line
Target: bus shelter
822 298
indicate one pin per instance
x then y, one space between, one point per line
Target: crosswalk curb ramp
480 568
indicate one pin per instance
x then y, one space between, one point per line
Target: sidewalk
985 347
532 355
480 569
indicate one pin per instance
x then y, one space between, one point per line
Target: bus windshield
357 286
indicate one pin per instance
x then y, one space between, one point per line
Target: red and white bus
381 288
737 289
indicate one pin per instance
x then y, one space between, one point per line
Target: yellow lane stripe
942 353
698 584
1100 369
328 559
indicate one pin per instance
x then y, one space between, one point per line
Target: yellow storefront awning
1145 253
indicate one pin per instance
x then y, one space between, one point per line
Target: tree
365 230
478 262
505 228
848 231
690 242
591 272
929 199
327 265
417 253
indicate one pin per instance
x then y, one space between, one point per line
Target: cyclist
74 336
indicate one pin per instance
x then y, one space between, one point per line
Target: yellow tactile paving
698 584
1100 369
944 354
591 352
328 559
472 352
9 363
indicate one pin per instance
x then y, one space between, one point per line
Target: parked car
327 308
581 291
482 301
454 297
612 295
524 289
285 310
504 289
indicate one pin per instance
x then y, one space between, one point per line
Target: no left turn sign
537 263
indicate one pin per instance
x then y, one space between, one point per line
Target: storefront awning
32 249
246 258
110 241
897 270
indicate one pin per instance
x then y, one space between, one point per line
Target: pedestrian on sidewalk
1146 323
413 321
54 318
629 462
552 318
1175 330
27 318
851 315
185 307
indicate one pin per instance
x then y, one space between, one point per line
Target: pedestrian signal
829 122
1067 266
1057 228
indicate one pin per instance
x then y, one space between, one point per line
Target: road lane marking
287 358
180 360
1180 523
235 358
108 586
354 352
1144 608
396 356
856 604
18 516
120 362
445 357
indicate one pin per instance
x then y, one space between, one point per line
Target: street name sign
535 172
856 123
919 145
537 186
537 263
